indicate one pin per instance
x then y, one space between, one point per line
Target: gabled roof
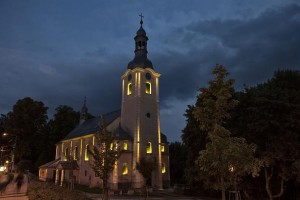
51 164
59 164
91 126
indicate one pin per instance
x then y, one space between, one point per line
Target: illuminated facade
136 126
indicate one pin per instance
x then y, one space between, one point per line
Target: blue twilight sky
58 51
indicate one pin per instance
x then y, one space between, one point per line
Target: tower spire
140 58
141 22
83 112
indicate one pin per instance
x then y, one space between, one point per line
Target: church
136 127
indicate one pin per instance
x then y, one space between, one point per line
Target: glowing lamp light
2 168
231 168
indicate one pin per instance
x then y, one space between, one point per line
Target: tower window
66 153
149 147
162 148
76 153
125 146
86 152
148 115
148 88
125 169
163 168
129 89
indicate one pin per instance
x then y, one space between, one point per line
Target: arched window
125 146
86 152
148 88
66 153
129 89
125 169
76 153
163 168
149 147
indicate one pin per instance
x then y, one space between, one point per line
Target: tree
105 153
3 119
223 153
178 155
146 166
269 116
64 121
194 139
26 125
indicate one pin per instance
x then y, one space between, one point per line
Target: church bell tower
140 115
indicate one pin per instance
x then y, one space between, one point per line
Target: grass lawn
38 190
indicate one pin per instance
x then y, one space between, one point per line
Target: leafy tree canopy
269 116
26 123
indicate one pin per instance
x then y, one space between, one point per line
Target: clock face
129 77
148 76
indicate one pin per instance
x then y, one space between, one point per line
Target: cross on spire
141 22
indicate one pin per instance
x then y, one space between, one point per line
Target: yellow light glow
66 154
149 147
162 148
75 153
139 84
111 146
123 87
86 153
129 89
93 140
163 168
80 148
56 151
231 168
125 146
148 88
138 141
62 177
7 162
125 169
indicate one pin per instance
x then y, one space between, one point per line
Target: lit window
76 153
148 88
125 169
163 168
86 152
125 146
111 146
162 147
66 153
149 147
129 89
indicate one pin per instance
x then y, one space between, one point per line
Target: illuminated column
56 176
62 177
115 176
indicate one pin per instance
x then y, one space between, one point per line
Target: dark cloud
59 57
251 50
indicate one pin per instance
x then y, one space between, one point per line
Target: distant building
136 126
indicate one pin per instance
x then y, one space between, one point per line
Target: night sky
58 51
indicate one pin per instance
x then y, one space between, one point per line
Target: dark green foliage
24 165
178 155
64 121
26 124
105 153
194 139
269 116
222 153
146 166
3 119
